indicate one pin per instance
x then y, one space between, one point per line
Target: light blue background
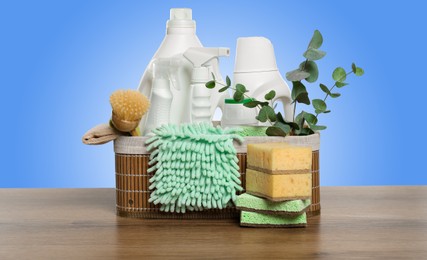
61 60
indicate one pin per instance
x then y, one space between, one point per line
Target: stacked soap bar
278 171
278 186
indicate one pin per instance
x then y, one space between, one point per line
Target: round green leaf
238 96
311 68
210 84
299 93
286 128
270 113
359 71
262 115
335 95
317 127
240 88
270 95
314 54
316 41
297 75
319 104
310 118
339 74
325 89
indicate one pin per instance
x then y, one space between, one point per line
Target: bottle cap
181 18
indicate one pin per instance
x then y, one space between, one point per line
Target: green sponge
254 219
247 202
196 167
252 130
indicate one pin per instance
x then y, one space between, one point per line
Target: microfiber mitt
196 167
252 130
253 219
247 202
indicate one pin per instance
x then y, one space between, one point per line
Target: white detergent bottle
180 35
256 68
201 57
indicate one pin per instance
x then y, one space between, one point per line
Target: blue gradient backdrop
60 61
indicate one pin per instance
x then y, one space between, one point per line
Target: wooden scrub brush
128 108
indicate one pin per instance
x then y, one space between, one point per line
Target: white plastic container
235 114
180 35
256 68
161 100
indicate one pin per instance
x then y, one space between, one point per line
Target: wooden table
356 222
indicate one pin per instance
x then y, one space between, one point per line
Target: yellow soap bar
280 157
279 187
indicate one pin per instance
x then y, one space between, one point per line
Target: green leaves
311 68
228 81
239 94
357 70
319 105
340 84
325 89
210 84
299 93
270 95
297 75
266 113
339 74
335 95
251 104
316 41
314 54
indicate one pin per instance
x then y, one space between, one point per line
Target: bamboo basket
132 179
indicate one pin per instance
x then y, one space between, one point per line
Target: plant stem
295 108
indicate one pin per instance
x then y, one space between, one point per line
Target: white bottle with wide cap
255 67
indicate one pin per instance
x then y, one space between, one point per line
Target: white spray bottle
200 110
180 35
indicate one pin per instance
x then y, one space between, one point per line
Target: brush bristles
129 105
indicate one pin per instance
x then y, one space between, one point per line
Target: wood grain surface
356 222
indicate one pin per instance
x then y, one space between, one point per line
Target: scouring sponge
247 202
254 219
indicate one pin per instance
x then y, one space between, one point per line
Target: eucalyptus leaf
240 88
340 84
275 131
317 127
262 115
319 104
286 128
316 41
223 89
270 95
310 118
325 89
297 75
314 54
299 93
299 119
305 131
327 111
251 104
311 68
359 71
335 95
228 81
270 113
353 68
238 96
210 84
339 74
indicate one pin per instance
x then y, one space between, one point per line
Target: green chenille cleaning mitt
196 167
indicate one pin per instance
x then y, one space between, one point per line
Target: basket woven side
132 190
